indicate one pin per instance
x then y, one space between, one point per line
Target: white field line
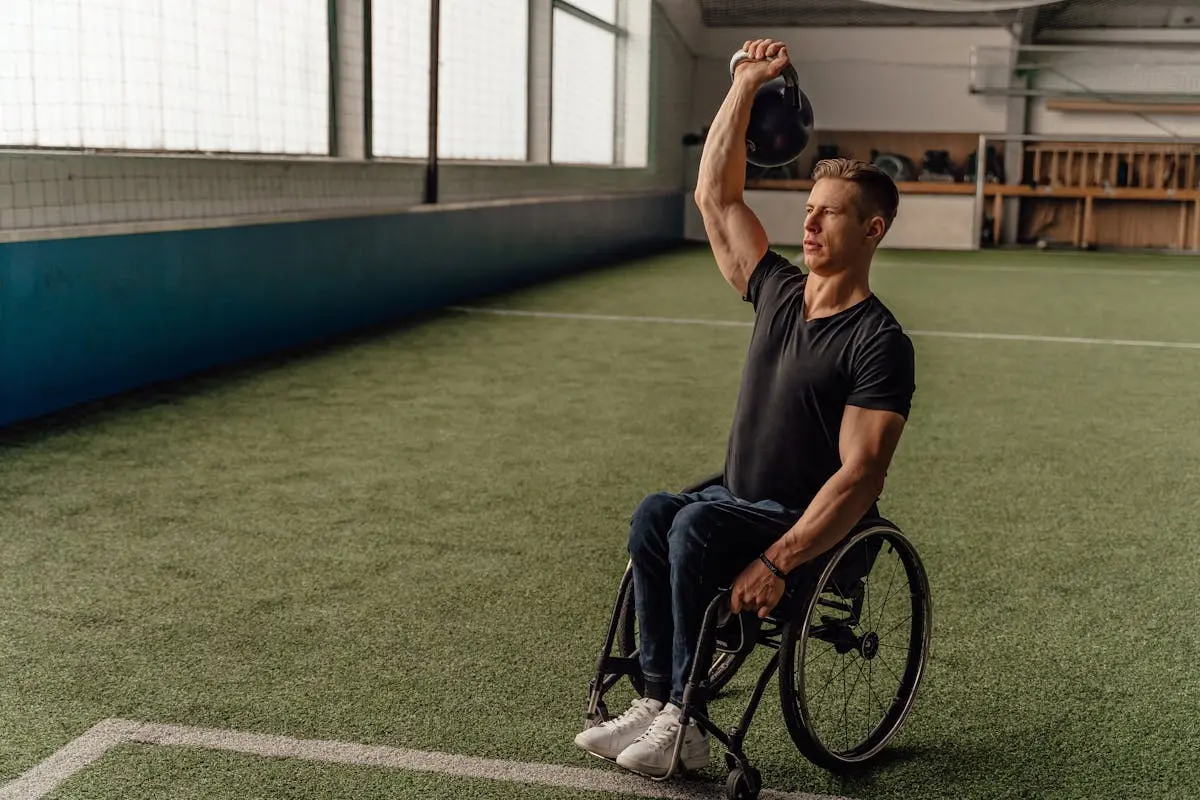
73 757
722 323
94 743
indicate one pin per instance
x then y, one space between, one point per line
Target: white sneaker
608 739
650 754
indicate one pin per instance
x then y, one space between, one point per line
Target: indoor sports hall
343 341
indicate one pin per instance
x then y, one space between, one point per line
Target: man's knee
692 529
651 522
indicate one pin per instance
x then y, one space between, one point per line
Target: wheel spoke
833 677
887 595
867 600
889 669
882 707
831 648
867 706
844 692
879 702
847 695
894 627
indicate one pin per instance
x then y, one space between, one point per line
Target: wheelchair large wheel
724 667
854 650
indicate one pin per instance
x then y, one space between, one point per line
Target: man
825 393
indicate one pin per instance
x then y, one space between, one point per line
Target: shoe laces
639 711
663 731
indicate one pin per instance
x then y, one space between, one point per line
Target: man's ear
876 228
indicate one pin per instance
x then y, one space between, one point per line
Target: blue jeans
685 548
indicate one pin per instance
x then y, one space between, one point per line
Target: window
483 81
174 75
400 78
600 82
583 97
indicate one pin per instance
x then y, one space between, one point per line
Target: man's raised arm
737 237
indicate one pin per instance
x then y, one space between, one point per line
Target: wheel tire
794 647
743 784
724 666
626 638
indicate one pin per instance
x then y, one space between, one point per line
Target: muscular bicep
737 238
868 439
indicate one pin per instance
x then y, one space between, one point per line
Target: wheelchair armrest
716 479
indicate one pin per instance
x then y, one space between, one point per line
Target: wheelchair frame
779 630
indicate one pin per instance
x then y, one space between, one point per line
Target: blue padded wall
83 318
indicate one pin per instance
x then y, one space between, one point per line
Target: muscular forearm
840 504
722 178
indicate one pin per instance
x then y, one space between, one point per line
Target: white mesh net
173 75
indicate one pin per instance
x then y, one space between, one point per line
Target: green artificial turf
413 537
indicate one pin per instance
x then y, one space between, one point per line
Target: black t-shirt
799 377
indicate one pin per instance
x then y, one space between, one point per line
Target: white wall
1072 123
869 79
45 194
1139 65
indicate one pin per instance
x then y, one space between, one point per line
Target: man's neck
826 295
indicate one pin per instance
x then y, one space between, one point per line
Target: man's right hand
767 59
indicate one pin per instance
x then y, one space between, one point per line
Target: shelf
1112 107
1100 192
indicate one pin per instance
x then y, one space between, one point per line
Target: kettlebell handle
791 79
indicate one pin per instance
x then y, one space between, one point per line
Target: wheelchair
828 631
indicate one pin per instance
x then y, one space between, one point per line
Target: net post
368 113
431 168
335 91
980 178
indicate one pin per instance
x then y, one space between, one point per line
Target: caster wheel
743 784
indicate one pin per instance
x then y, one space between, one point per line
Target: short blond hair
876 190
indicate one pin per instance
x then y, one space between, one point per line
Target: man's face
836 237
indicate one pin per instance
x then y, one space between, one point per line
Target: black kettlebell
781 118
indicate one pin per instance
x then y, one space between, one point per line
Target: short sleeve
765 278
884 373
